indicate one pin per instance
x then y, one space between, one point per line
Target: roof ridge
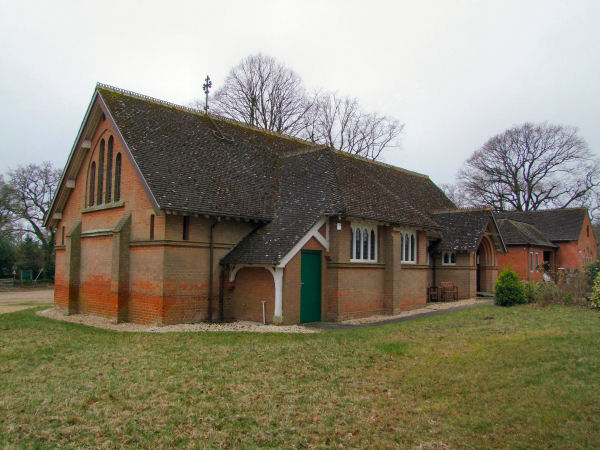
380 163
534 211
460 210
199 112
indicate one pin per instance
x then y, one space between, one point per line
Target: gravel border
239 326
251 327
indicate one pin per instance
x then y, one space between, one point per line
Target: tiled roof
189 168
521 233
307 192
463 229
209 165
557 224
381 192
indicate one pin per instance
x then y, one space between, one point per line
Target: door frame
320 254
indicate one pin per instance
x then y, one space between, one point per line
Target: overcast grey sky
455 72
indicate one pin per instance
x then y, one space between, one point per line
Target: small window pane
445 258
100 173
351 243
109 168
357 244
373 245
406 247
365 252
92 184
453 258
118 177
412 247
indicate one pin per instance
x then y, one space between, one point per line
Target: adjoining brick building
546 241
167 215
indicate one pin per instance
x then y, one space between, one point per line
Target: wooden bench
448 291
433 294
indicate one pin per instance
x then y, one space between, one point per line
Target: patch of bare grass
484 377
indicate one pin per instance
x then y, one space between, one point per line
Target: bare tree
7 218
263 92
529 167
29 191
341 123
456 195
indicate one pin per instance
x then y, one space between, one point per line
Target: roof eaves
50 212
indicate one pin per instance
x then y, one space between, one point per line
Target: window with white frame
449 258
531 262
363 242
408 242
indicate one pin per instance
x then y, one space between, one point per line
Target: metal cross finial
205 87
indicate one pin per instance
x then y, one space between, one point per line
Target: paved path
17 299
348 326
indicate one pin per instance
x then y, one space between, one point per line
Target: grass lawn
482 377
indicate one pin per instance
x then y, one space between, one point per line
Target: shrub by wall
509 290
531 288
595 295
592 270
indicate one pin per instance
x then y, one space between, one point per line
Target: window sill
104 206
364 261
409 262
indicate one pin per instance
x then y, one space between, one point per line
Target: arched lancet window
118 177
100 173
402 245
373 244
109 168
452 258
92 184
408 247
364 242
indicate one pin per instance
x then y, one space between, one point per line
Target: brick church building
167 215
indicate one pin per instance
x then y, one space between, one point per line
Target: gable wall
573 255
98 256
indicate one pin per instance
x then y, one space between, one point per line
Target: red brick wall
95 295
574 255
517 258
359 291
414 286
253 285
61 282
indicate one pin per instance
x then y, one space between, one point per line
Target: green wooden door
310 289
